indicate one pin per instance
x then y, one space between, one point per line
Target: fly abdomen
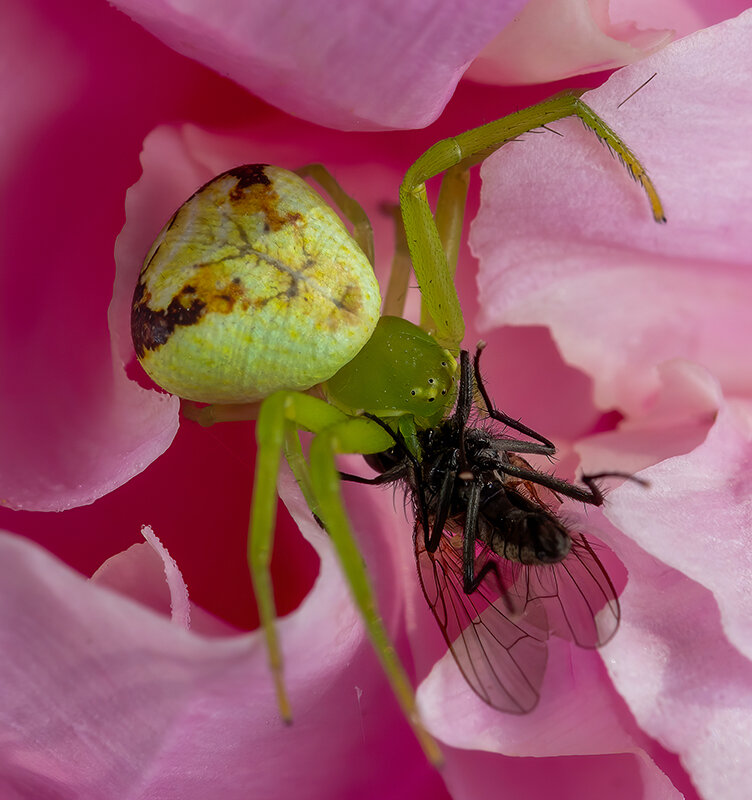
526 535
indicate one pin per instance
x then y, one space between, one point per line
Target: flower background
103 698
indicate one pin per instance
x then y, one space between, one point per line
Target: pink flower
102 697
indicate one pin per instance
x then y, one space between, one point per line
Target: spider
256 299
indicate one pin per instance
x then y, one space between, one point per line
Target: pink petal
140 572
133 574
577 716
683 681
683 16
575 680
548 41
678 421
72 426
345 65
57 138
580 249
103 698
696 516
472 774
682 667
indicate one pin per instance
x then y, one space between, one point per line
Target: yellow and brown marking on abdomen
254 285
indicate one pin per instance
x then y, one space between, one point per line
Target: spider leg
449 217
354 435
430 255
362 231
402 268
281 414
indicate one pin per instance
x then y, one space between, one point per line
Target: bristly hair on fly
500 568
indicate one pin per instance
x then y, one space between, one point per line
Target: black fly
499 569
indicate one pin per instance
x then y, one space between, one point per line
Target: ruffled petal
352 66
580 252
72 426
682 659
624 776
102 697
533 49
696 516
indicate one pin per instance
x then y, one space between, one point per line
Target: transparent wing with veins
580 599
503 659
498 633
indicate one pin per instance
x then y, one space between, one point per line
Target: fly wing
502 656
580 600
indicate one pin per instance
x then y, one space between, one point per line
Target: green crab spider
256 299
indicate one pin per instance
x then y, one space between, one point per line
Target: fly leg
470 580
592 495
548 448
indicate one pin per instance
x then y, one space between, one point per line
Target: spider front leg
336 433
431 253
